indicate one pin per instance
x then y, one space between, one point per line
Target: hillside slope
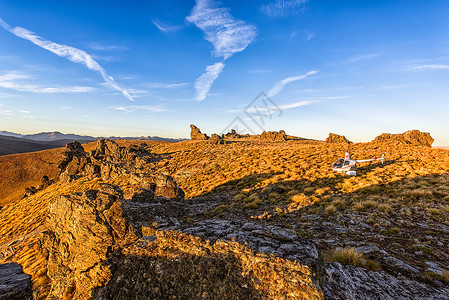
13 145
394 216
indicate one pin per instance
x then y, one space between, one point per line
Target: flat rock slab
14 284
350 282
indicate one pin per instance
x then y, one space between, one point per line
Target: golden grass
417 182
346 256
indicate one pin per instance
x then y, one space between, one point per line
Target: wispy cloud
24 111
368 56
65 107
310 36
226 34
164 27
15 81
431 67
204 82
279 86
283 8
73 54
158 85
133 108
5 112
260 71
100 47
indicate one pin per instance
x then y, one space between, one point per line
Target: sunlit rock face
411 137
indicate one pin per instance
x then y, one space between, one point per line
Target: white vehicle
348 166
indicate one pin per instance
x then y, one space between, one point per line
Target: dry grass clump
385 208
190 268
339 204
346 256
369 204
330 209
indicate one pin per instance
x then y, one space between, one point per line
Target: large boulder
232 135
84 230
196 135
216 139
335 138
411 137
273 136
166 187
73 161
352 283
14 283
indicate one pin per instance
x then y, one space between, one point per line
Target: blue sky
357 68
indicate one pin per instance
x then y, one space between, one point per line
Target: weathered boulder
350 282
232 135
273 136
411 137
212 260
166 187
14 284
84 230
73 161
45 182
216 139
335 138
196 135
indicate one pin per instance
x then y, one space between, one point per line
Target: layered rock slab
14 283
352 283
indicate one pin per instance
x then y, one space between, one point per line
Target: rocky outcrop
45 182
14 284
196 135
99 245
335 138
411 137
273 136
216 139
215 259
166 187
109 161
350 282
232 135
85 229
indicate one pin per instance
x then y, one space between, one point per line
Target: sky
144 68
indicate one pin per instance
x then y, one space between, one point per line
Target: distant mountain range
56 136
12 143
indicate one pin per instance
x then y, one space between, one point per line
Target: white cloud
279 86
227 35
357 58
310 36
204 82
6 112
159 85
100 47
431 67
65 107
24 111
73 54
133 108
164 27
283 8
15 81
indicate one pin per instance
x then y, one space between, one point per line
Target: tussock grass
346 256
